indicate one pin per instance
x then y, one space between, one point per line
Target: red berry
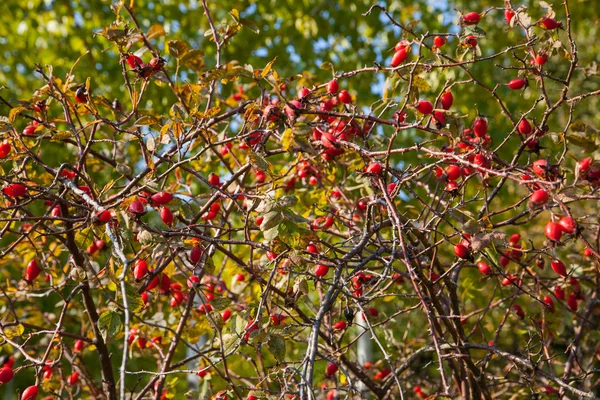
29 130
447 99
32 271
462 251
225 315
331 369
509 280
398 57
549 23
541 58
568 224
484 268
6 374
345 97
508 15
480 127
549 303
439 41
471 18
4 149
137 208
540 167
304 92
195 254
239 277
517 83
559 293
524 127
165 284
134 61
553 231
519 311
539 197
73 378
321 270
81 95
103 216
140 269
559 267
157 63
572 302
161 198
340 326
30 393
403 44
453 172
374 168
311 248
78 346
333 87
470 41
167 216
424 107
584 164
15 190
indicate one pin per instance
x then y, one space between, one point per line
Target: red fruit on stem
30 393
403 44
584 164
553 231
333 86
161 198
549 303
195 254
15 190
559 267
78 346
517 83
321 270
137 208
340 326
331 369
484 268
524 127
518 311
140 269
166 215
453 172
398 57
424 107
6 374
568 225
462 251
572 302
559 293
549 23
103 216
374 168
539 197
225 315
312 248
345 97
73 378
81 95
302 93
447 99
439 41
508 15
480 127
239 277
4 149
32 271
541 58
471 18
470 41
134 61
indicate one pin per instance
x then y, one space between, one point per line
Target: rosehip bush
228 230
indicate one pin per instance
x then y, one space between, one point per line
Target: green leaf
84 238
259 161
270 220
276 346
109 324
177 48
134 299
267 68
155 31
250 25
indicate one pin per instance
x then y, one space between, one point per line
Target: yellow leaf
14 112
286 139
267 68
155 31
421 84
14 331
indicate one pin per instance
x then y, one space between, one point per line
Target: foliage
184 197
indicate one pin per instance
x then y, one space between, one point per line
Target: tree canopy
299 199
